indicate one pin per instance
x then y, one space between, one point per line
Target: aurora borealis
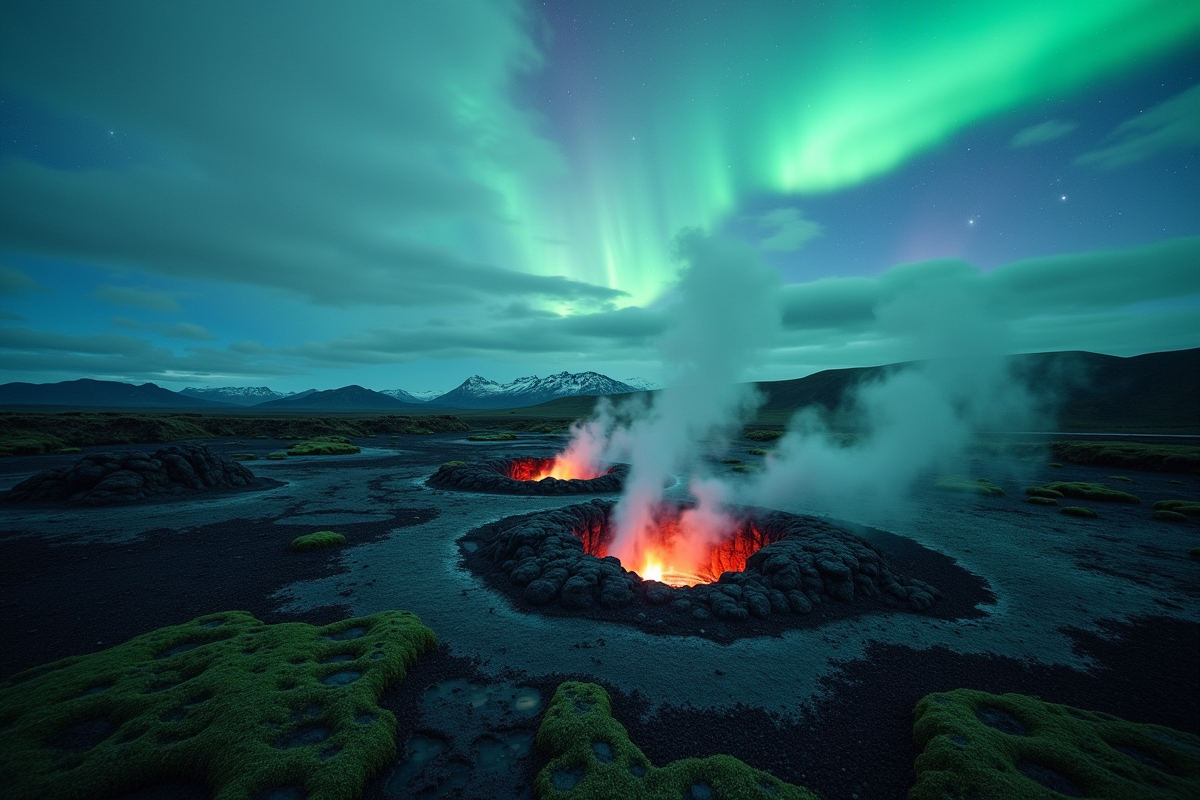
399 195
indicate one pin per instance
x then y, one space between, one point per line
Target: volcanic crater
525 475
776 571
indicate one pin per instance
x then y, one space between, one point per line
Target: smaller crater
174 651
302 737
603 751
1001 721
565 780
344 678
349 633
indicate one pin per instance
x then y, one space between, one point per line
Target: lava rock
127 476
495 476
555 556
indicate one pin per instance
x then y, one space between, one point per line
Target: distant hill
348 398
479 392
238 395
106 394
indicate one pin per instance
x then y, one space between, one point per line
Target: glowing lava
535 469
687 550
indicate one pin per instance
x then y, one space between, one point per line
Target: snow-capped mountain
641 384
412 397
479 392
239 395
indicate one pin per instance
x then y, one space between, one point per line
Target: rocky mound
497 476
796 564
126 476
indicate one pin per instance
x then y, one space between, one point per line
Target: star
1064 197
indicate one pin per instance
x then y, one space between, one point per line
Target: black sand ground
65 596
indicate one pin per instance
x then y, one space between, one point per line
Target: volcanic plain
1100 613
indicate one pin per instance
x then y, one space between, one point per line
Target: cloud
13 281
134 297
789 230
1170 125
181 330
37 354
352 157
1124 300
1043 132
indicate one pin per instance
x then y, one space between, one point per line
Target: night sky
402 194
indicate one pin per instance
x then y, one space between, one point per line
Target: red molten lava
535 469
672 553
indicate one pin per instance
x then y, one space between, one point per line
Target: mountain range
475 392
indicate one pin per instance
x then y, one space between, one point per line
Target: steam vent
776 567
524 476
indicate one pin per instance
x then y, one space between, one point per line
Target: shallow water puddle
471 742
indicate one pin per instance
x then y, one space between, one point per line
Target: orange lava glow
673 554
565 469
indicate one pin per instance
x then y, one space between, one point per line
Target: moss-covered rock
748 468
492 437
318 540
761 435
1092 491
977 744
1162 515
278 455
1078 511
243 457
330 446
1042 491
454 464
592 758
757 451
958 483
1041 501
223 700
731 461
1188 508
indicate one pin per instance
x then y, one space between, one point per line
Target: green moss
454 464
1042 491
731 461
745 468
1103 755
1179 483
1054 464
492 437
317 541
33 434
1163 515
1121 478
760 435
69 451
320 447
243 456
958 483
1187 507
278 455
1078 511
757 451
1041 501
29 443
1093 491
1131 455
592 758
248 708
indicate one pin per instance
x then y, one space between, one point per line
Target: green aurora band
774 100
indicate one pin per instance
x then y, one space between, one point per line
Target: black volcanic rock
796 564
494 477
127 476
347 398
105 394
